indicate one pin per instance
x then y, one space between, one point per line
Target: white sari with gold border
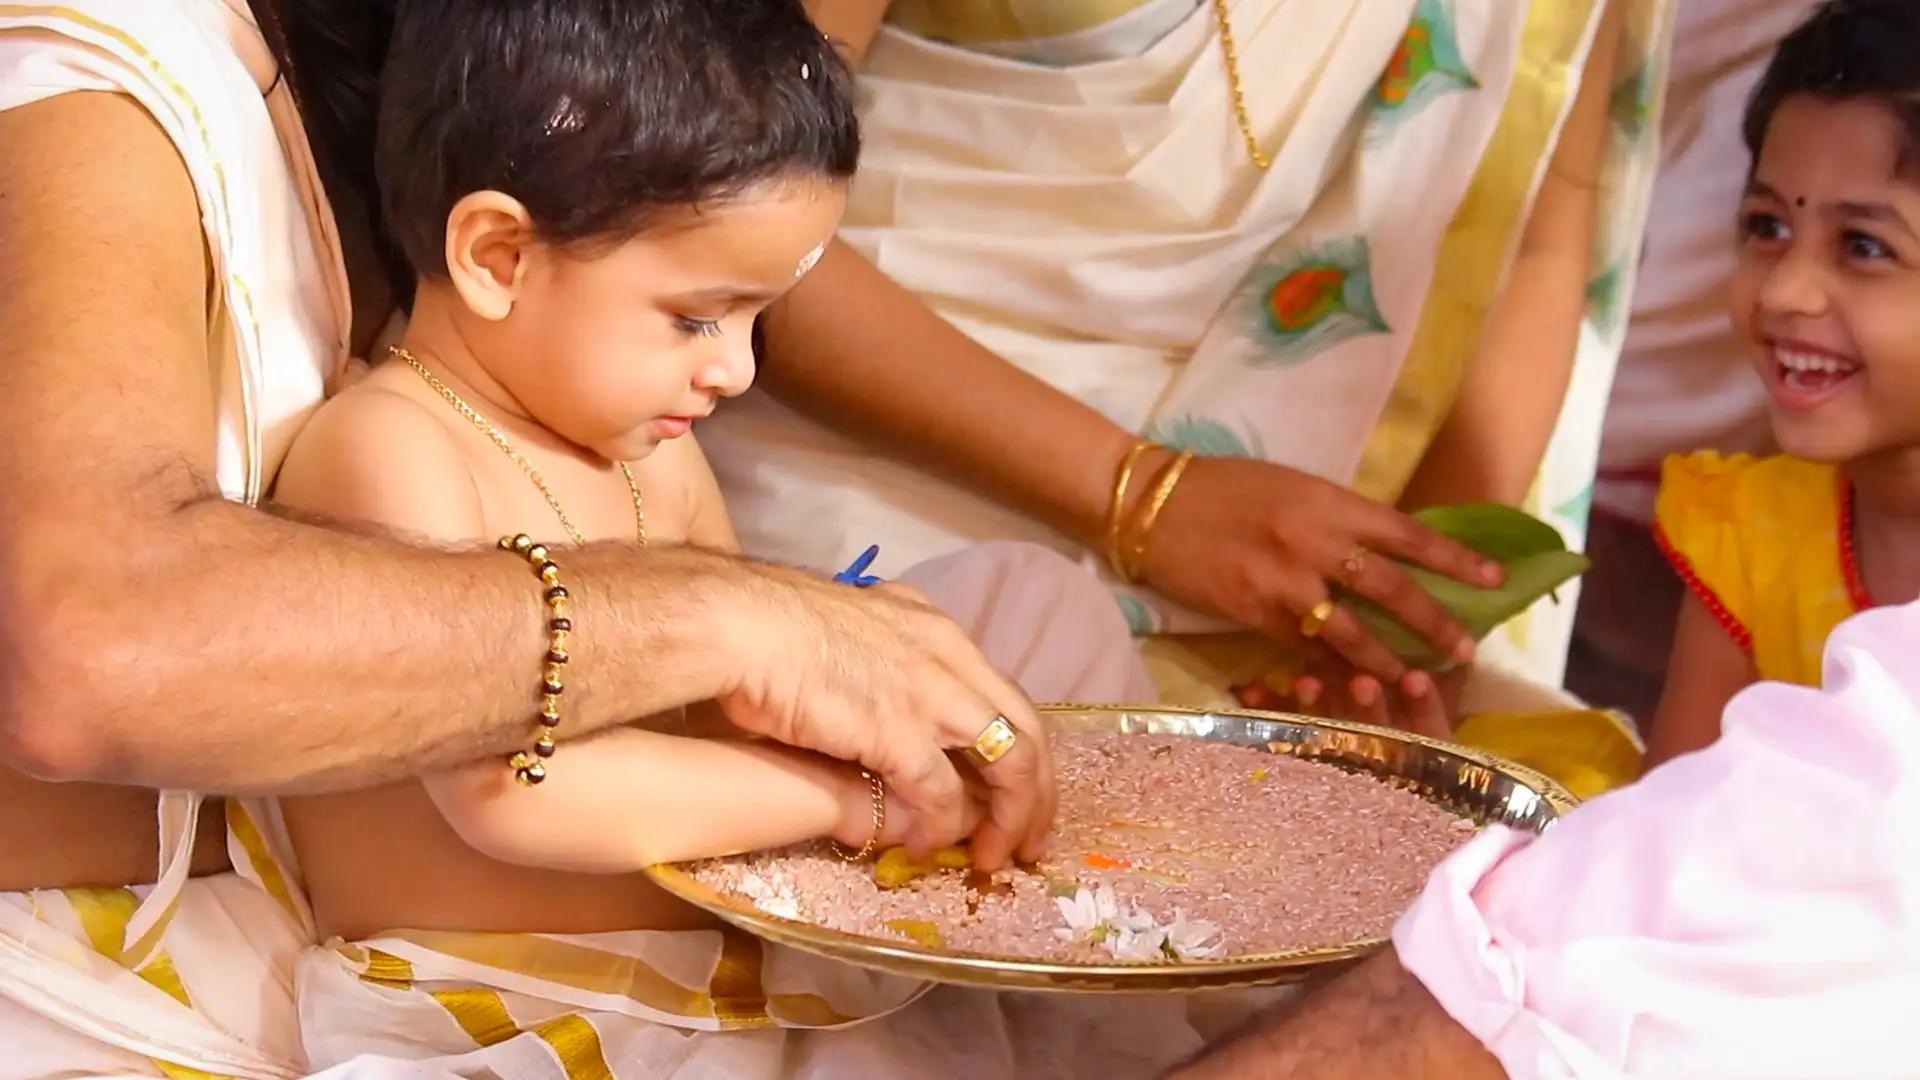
1092 215
186 977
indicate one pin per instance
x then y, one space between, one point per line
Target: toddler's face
1827 291
621 350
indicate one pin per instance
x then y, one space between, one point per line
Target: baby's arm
615 802
629 798
1708 669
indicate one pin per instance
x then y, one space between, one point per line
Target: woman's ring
1353 566
1316 620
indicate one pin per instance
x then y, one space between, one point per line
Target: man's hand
878 677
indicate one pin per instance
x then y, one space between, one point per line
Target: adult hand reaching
876 676
1266 545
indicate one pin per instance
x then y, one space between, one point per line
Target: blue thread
856 572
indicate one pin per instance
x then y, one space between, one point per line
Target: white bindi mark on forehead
807 260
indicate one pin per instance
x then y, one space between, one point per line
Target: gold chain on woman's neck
1232 55
507 448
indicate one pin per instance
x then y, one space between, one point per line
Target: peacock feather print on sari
1632 103
1426 65
1206 438
1604 297
1140 616
1307 301
1576 509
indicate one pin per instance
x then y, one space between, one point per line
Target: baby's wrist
857 820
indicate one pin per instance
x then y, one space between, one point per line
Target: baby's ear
489 235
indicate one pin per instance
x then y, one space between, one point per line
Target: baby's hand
857 819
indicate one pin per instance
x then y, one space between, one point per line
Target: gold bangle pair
1127 549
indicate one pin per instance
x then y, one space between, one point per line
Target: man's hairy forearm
1376 1020
220 648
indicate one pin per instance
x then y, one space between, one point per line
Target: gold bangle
878 792
1116 509
529 766
1143 531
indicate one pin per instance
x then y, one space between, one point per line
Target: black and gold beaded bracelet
529 766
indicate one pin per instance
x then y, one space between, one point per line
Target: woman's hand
1264 545
874 676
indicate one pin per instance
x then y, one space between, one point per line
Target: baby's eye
705 328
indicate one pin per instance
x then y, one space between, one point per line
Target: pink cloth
1750 910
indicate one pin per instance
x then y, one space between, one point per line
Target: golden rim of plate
1462 780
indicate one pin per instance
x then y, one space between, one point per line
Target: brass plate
1464 781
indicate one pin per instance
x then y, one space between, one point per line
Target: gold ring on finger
1315 620
993 742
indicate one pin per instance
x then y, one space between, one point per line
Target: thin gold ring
993 742
1353 566
1316 620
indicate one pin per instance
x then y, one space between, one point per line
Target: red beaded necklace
1849 562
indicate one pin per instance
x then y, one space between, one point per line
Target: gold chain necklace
1260 159
507 448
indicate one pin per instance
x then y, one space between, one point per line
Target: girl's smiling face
1827 289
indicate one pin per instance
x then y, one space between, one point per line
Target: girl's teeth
1809 362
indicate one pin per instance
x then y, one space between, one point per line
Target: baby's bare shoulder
373 454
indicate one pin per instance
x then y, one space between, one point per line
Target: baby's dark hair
1847 49
600 114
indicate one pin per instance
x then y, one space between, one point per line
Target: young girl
1777 551
597 198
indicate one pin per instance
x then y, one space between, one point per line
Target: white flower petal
1194 939
1139 946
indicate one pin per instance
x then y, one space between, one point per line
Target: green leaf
1535 557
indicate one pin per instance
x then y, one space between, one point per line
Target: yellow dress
1765 544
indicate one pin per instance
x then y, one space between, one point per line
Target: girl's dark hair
1867 49
598 114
